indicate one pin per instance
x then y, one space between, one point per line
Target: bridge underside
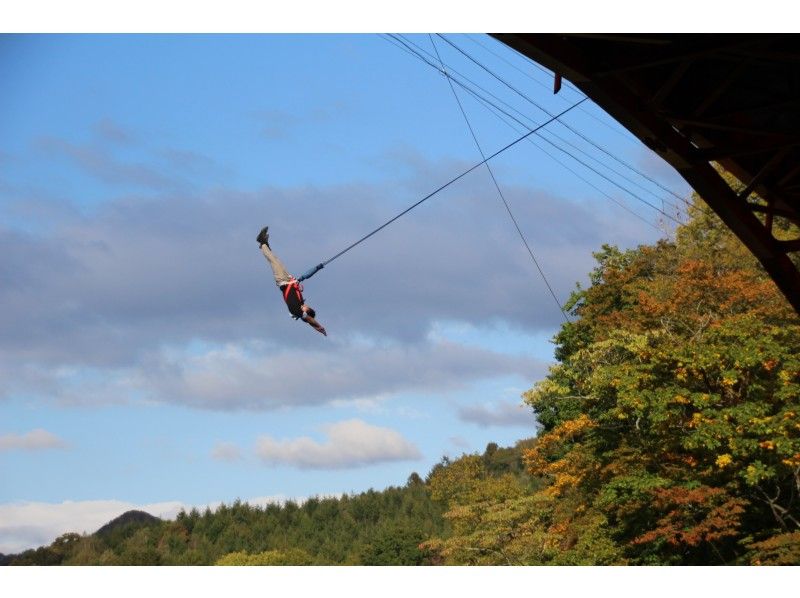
700 99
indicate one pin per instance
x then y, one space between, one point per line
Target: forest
669 434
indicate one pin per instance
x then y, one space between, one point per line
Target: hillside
130 519
371 528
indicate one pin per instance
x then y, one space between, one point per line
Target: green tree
291 556
394 544
673 408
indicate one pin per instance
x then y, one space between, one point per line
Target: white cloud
258 376
499 414
116 283
459 442
26 525
34 440
352 443
226 451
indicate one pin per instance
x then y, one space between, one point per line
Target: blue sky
146 358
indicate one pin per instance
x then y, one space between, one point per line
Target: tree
291 556
394 544
673 408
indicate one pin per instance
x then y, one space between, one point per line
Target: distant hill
128 520
114 532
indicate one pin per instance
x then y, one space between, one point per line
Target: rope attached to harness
319 267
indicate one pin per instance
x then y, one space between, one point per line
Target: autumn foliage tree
674 408
669 426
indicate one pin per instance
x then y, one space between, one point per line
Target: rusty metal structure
696 99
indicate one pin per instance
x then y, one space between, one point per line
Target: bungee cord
321 265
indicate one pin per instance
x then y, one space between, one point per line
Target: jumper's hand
315 325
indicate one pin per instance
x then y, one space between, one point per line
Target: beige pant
279 271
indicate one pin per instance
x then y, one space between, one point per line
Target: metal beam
720 89
627 39
704 124
624 99
789 176
790 246
714 154
772 105
789 215
676 76
692 53
722 199
772 57
766 169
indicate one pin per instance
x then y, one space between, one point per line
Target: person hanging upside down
291 289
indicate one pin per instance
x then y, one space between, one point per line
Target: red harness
296 287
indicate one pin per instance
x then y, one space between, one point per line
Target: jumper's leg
282 276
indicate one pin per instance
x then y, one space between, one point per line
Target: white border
350 582
408 16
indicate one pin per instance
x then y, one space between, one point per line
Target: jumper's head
307 311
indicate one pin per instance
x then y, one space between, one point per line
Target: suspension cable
524 96
417 51
497 185
318 267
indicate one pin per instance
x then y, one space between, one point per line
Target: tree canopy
670 424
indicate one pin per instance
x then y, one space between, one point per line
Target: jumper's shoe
263 237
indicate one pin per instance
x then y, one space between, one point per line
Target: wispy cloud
280 124
112 132
226 451
258 376
34 440
104 166
352 443
499 414
459 442
247 377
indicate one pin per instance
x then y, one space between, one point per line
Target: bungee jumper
290 287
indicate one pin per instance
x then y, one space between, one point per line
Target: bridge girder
694 99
